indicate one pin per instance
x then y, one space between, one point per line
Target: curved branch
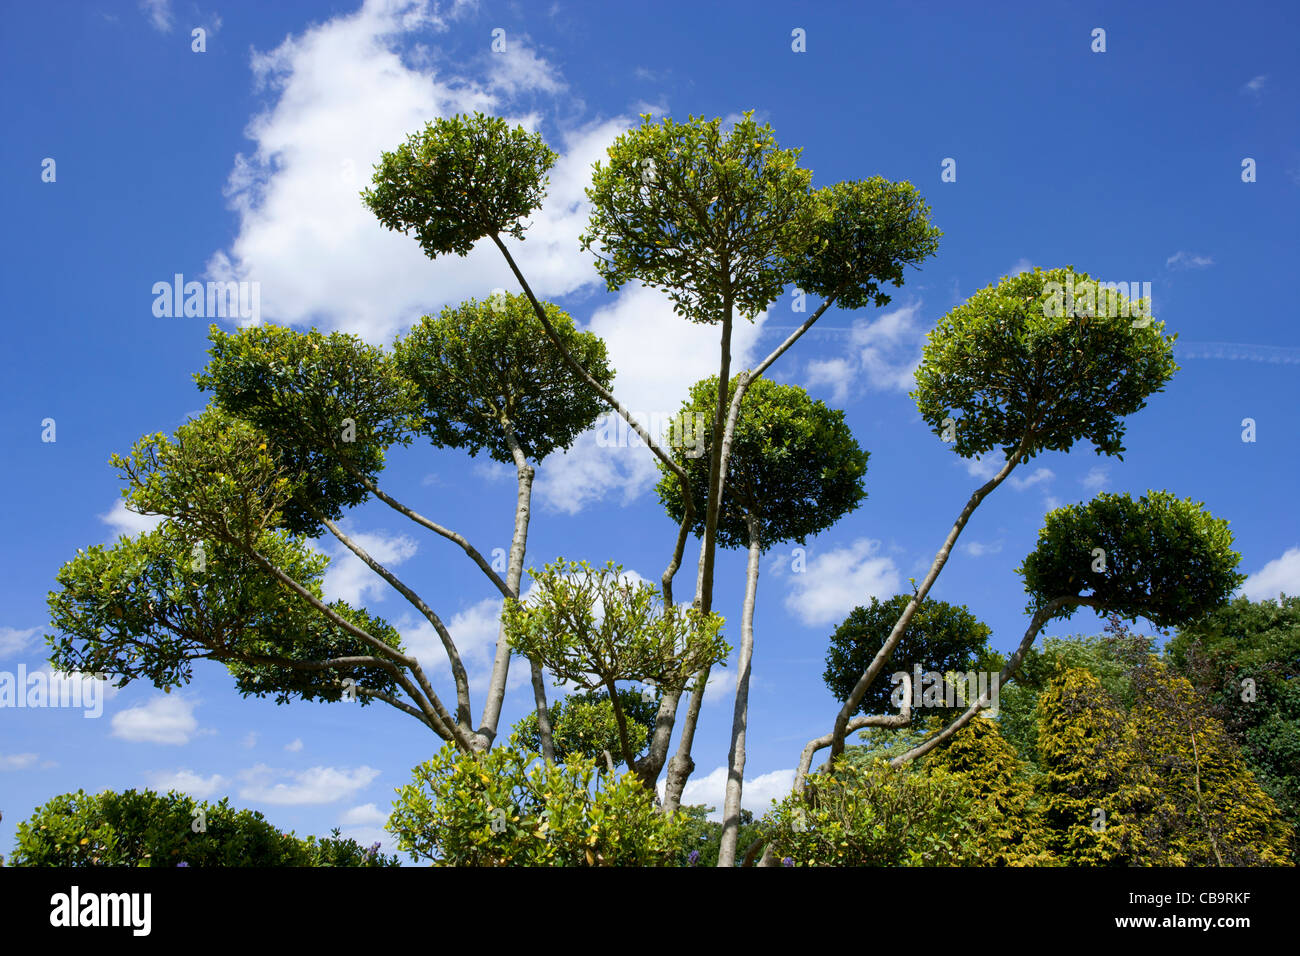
436 528
457 666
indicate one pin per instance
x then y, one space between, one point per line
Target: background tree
1245 659
940 637
585 725
794 470
1160 784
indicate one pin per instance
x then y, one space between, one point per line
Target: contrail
1277 354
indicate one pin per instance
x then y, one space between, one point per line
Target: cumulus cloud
1037 477
1279 576
366 815
883 355
1186 260
839 580
657 356
294 746
12 640
978 549
264 784
166 719
348 578
756 796
126 522
17 761
1095 479
187 781
344 92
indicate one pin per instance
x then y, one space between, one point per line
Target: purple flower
182 863
694 857
787 861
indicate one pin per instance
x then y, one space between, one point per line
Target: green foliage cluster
459 180
1164 559
148 607
871 814
586 725
481 368
507 807
794 466
593 627
143 828
1002 365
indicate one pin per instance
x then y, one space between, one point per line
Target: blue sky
244 161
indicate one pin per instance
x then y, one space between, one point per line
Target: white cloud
1281 575
517 69
366 815
1095 479
187 781
159 13
1039 476
250 739
1185 260
126 522
1256 85
840 580
13 640
166 719
882 355
345 94
987 466
295 746
474 631
492 471
756 795
657 356
348 578
977 549
317 785
17 761
1022 265
982 468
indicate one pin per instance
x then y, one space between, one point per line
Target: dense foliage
143 828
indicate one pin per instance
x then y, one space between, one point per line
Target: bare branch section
452 536
430 705
453 655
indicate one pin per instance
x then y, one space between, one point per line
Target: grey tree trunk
740 715
514 575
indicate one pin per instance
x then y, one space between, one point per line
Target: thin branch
457 666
